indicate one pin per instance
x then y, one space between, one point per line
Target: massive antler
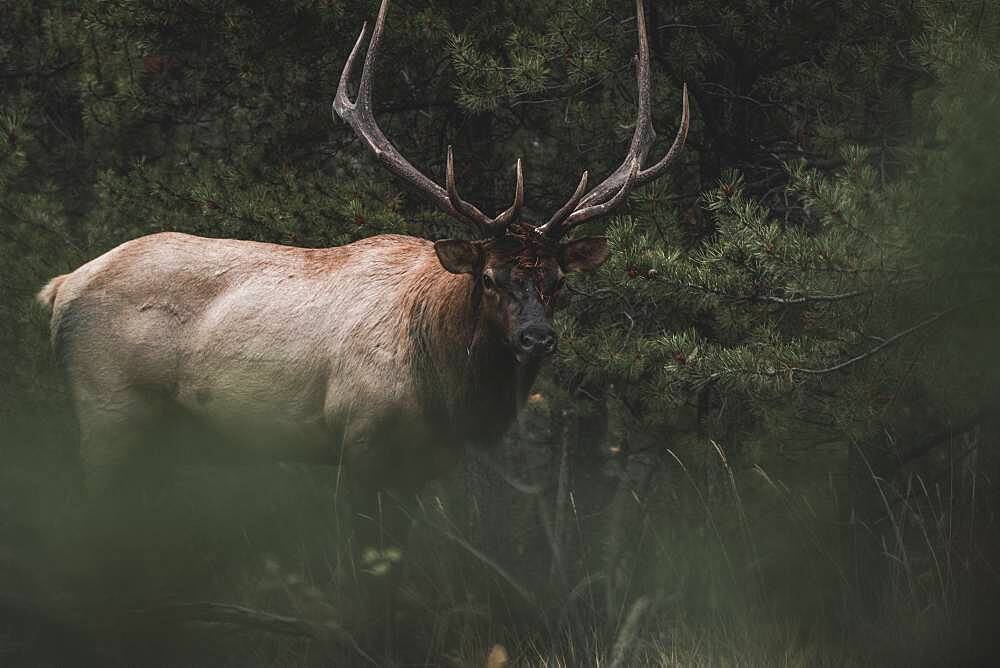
598 202
614 189
358 115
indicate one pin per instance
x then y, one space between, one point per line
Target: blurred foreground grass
249 566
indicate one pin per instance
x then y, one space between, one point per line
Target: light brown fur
369 354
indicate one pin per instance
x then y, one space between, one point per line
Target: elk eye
488 282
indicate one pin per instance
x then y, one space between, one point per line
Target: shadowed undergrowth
250 565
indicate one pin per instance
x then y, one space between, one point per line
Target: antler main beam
358 114
614 189
581 207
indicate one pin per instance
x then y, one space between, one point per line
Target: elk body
387 355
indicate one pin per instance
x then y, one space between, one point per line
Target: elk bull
387 355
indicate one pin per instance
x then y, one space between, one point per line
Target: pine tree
44 185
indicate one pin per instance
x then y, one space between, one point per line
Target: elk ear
459 256
583 254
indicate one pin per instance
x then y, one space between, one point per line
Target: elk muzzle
535 341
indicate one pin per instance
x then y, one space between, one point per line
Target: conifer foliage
821 267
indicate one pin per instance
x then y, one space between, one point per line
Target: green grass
745 568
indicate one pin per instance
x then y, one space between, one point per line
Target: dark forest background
770 436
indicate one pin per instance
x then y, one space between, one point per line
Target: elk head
518 268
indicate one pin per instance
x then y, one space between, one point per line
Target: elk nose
537 340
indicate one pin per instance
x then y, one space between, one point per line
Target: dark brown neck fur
471 381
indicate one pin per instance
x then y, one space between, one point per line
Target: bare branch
888 342
206 612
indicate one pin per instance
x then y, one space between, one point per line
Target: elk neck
471 378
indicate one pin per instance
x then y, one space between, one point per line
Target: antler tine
598 210
368 71
650 173
563 213
468 210
358 114
613 190
342 102
510 216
